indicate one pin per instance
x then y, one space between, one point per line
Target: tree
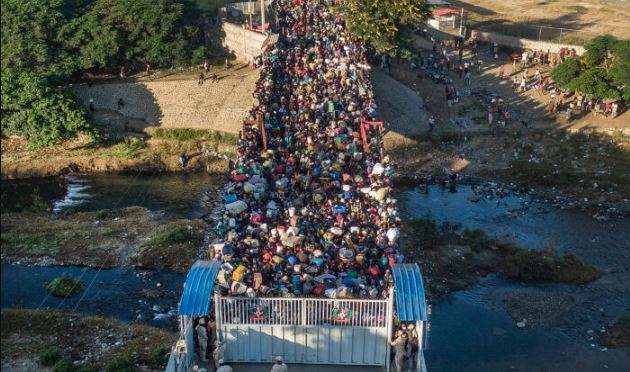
603 72
39 112
566 71
594 83
381 22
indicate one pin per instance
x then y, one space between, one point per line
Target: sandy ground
177 100
589 17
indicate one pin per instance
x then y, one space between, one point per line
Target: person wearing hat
279 366
202 338
223 367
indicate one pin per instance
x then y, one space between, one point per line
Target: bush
40 113
48 357
159 357
130 147
65 286
179 234
199 55
64 365
119 364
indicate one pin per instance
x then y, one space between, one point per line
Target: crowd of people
308 210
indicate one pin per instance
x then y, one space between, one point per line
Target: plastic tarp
198 288
410 300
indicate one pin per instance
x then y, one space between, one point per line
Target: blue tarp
198 288
410 301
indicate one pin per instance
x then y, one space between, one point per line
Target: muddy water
471 330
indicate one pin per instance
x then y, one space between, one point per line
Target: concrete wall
244 43
522 43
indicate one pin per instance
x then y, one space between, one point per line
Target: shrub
179 234
119 364
65 286
48 357
159 357
131 147
64 365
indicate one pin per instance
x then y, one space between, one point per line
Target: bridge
307 263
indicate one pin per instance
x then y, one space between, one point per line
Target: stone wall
516 42
244 43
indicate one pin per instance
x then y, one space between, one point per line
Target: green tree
381 22
567 71
594 83
39 112
603 72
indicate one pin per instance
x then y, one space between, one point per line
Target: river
469 329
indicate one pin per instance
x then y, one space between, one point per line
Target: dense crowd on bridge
308 209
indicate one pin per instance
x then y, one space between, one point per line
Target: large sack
237 207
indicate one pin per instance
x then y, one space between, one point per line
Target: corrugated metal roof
198 288
410 301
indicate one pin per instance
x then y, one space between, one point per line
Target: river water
469 329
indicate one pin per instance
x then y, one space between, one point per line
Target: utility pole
461 23
262 15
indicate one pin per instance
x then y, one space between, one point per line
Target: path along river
469 329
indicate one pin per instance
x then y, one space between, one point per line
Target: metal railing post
390 325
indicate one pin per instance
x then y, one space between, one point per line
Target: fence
305 330
303 312
558 35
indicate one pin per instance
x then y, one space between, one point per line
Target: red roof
445 11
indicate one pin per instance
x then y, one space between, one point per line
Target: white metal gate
304 330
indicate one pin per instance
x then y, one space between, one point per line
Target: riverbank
587 159
87 343
135 153
452 259
132 236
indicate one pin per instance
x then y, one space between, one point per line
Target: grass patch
130 148
49 356
159 357
546 265
65 286
29 333
119 364
172 235
189 134
64 365
32 244
173 246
